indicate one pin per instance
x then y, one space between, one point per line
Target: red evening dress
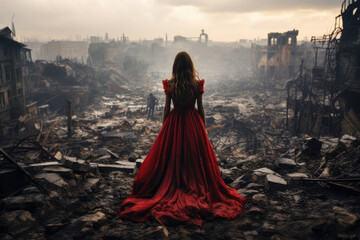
179 180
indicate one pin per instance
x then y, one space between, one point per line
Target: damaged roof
5 36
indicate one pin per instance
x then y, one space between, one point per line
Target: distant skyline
227 20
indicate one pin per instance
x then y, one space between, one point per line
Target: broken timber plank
48 132
40 131
26 173
345 187
330 180
18 144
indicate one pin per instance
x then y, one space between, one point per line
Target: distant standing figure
152 101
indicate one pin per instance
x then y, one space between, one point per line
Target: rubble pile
296 187
50 84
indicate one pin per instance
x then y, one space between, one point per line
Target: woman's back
183 103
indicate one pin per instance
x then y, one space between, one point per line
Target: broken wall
282 57
348 67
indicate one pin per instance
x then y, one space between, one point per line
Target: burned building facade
12 87
325 99
281 58
348 67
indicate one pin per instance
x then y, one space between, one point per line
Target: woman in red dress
179 180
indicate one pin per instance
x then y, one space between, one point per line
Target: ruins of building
13 56
325 99
75 50
281 58
202 39
348 67
339 73
101 52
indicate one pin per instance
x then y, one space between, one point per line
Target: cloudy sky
223 20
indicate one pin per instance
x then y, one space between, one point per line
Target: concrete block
296 176
275 183
76 164
263 171
63 172
107 168
286 163
52 178
138 162
91 184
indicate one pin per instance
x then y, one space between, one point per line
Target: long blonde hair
184 80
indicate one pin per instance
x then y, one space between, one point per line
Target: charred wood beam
20 142
26 173
35 146
329 180
344 187
48 132
45 152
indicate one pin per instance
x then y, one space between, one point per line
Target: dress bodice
191 102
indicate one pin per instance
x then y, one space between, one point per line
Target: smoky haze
141 37
142 19
254 6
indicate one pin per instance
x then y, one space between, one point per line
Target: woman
179 180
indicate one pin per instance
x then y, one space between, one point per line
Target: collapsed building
32 91
321 78
14 69
281 58
325 98
102 52
348 68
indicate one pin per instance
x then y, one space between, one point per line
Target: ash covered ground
293 184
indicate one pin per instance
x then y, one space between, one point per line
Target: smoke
245 6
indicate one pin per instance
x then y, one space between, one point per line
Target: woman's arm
166 110
200 108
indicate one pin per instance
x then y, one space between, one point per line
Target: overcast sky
223 20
